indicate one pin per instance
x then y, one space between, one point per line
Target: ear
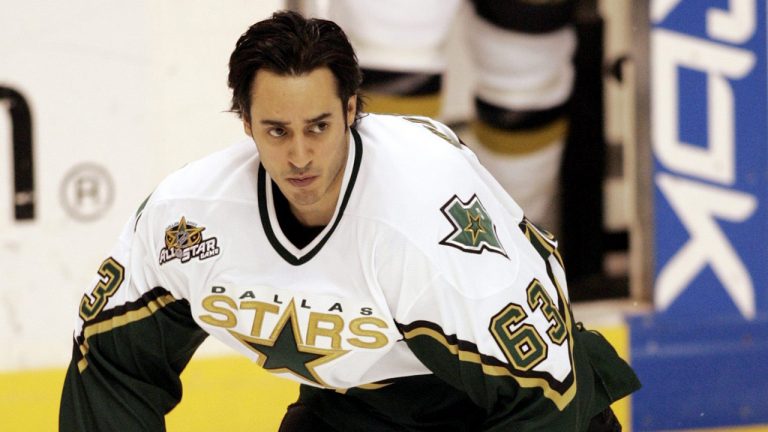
247 126
351 109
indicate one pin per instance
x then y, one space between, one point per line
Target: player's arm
514 349
133 339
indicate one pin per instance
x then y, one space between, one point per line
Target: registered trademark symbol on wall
87 192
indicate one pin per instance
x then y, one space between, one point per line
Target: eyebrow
269 122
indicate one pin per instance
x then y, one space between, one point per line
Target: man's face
300 131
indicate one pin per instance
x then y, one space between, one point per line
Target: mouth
301 181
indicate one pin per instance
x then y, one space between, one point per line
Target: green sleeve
513 403
124 373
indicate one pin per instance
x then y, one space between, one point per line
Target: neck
315 216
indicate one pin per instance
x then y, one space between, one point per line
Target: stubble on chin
304 198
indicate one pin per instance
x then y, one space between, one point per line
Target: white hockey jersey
427 268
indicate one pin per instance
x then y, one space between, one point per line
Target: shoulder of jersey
229 173
417 151
412 159
432 193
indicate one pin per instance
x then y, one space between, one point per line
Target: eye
318 127
276 132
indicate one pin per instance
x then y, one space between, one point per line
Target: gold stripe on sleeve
519 142
119 321
560 400
425 105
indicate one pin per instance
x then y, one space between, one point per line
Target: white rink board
135 89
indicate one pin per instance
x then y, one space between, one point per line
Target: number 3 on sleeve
112 274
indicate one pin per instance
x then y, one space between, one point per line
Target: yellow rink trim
29 401
231 394
220 394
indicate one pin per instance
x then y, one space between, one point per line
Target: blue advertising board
710 144
703 356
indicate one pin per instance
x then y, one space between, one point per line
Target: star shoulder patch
473 229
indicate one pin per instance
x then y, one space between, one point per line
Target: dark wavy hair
289 44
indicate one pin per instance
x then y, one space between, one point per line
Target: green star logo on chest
285 351
473 229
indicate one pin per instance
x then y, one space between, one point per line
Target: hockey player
371 258
521 51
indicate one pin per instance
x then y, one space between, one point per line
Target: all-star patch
473 229
184 241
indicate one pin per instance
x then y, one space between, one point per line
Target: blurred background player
521 51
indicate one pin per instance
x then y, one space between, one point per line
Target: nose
300 152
